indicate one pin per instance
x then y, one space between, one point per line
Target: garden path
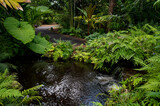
46 30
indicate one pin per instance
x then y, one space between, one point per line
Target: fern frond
28 99
155 59
139 61
151 86
5 80
1 103
9 93
157 4
28 91
153 94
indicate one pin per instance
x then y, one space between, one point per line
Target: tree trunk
110 11
111 6
88 28
71 12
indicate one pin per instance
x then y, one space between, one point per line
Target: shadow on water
65 83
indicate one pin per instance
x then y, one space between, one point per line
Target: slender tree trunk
71 12
111 6
88 28
110 11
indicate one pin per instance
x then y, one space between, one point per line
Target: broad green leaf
19 30
40 45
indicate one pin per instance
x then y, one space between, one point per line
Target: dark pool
65 83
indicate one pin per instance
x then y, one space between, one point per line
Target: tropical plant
152 83
34 15
88 15
14 3
72 31
95 36
19 30
62 50
157 4
40 45
10 93
140 89
120 46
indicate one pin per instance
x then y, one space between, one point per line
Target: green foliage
40 45
97 104
9 47
29 95
10 91
157 4
143 89
88 16
13 3
72 31
19 30
115 22
6 86
94 36
40 2
62 50
35 15
122 45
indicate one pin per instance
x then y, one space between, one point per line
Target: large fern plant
10 93
151 86
121 45
141 89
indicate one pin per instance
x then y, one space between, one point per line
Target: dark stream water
65 83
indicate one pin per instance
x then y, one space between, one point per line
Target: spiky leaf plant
14 3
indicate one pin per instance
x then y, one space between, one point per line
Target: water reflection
65 83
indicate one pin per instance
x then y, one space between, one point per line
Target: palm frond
28 91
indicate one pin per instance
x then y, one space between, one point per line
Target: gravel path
53 35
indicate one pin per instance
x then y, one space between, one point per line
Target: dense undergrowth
139 47
135 46
17 38
112 48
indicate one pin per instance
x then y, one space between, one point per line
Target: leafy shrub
95 36
62 50
121 45
35 15
72 31
8 48
62 19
